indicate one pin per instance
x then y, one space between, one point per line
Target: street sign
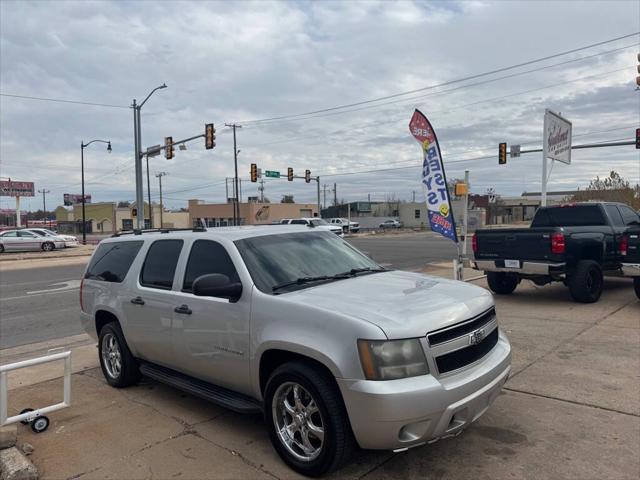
272 174
153 151
557 137
514 151
9 188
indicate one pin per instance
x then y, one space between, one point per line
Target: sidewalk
571 409
79 251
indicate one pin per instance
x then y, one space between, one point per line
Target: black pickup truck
631 257
573 244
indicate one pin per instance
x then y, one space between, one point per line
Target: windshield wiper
355 271
338 276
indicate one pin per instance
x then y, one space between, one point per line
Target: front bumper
71 243
525 268
399 414
631 269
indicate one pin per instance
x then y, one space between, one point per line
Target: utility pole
318 191
335 195
44 202
236 205
465 215
261 189
324 193
160 175
414 196
137 143
149 197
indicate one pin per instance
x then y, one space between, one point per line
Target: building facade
252 213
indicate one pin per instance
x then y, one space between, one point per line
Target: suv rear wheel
307 420
119 367
502 283
585 284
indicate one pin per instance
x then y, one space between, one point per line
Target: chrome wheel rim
47 247
298 421
111 356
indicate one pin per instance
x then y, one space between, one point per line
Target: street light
137 141
82 147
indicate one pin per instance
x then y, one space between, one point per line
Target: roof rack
159 230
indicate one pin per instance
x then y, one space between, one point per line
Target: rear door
28 241
149 308
11 241
211 335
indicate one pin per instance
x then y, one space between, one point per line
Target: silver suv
297 324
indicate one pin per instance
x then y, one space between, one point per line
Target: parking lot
571 409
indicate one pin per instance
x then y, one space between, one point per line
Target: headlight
392 359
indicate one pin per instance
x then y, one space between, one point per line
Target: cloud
240 61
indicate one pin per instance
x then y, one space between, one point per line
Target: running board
224 397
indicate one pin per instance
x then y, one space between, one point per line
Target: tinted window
26 234
298 222
10 234
208 257
628 215
112 261
569 216
614 214
160 265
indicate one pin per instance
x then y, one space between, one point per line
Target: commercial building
251 213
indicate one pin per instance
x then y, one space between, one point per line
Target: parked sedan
390 224
69 240
17 240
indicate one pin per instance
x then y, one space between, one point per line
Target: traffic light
169 150
502 153
290 174
254 172
209 136
638 138
307 176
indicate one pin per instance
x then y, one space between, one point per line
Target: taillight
624 245
81 305
557 243
474 243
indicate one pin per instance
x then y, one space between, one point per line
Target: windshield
274 260
319 221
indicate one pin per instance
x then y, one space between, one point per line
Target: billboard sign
74 199
434 180
9 188
557 137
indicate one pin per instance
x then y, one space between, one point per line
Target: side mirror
217 285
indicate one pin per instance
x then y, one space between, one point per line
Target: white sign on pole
557 137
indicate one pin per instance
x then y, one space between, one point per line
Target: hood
402 304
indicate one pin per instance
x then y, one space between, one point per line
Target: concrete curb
14 465
46 257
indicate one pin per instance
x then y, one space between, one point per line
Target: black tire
40 424
26 410
338 442
502 283
48 246
585 283
636 286
1 248
127 374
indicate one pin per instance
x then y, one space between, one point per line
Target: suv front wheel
307 420
119 367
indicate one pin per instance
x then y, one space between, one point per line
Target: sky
243 62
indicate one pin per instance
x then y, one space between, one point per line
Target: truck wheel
636 286
502 283
307 421
585 284
119 367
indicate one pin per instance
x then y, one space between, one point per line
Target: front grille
450 333
465 356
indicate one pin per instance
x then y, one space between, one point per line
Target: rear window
112 261
570 216
160 265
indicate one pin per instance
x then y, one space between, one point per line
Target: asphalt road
39 304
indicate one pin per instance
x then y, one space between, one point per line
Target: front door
211 335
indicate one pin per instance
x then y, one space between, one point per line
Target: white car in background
315 222
347 226
69 240
21 240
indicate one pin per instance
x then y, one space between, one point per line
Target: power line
450 82
60 100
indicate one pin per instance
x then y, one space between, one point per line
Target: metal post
318 188
149 196
235 180
335 195
543 188
18 219
138 167
465 215
84 230
160 175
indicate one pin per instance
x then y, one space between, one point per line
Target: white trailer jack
34 417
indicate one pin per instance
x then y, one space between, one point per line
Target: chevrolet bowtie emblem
476 337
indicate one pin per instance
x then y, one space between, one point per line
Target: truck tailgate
516 243
633 249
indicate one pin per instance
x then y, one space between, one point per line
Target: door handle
184 309
137 301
